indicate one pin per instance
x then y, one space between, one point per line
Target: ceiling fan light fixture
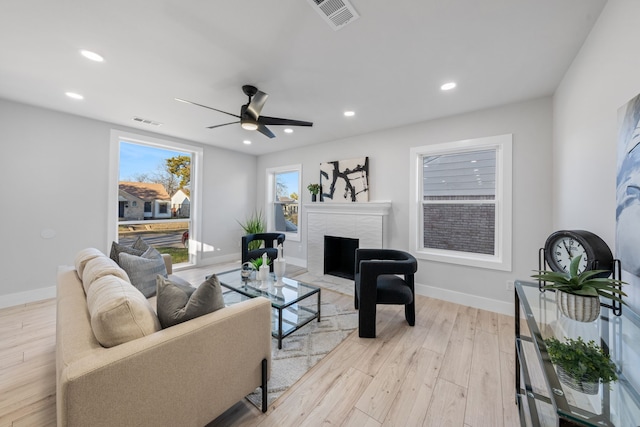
249 124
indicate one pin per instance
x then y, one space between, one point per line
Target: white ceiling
387 66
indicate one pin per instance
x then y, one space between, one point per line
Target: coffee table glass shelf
291 300
546 398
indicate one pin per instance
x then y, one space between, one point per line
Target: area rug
326 281
306 347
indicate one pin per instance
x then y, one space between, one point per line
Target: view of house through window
459 201
462 212
286 203
154 198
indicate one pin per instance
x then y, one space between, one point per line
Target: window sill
463 258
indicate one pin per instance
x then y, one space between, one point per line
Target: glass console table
544 398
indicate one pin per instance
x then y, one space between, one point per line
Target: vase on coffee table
279 267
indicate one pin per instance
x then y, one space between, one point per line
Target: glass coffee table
292 302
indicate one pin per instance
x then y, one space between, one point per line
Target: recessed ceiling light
246 142
288 130
91 55
448 86
74 95
349 113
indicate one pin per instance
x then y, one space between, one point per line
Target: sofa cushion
85 256
99 267
177 303
119 312
142 270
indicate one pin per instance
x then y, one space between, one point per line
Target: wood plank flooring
454 368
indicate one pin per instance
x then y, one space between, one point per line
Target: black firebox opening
340 256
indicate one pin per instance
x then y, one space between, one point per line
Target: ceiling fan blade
204 106
224 124
257 102
265 131
282 122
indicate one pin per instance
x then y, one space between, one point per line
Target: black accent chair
376 283
268 247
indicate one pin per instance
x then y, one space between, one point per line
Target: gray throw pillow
142 270
117 249
177 303
140 244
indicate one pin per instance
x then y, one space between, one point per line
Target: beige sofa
184 375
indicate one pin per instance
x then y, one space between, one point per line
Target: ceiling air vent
146 121
337 13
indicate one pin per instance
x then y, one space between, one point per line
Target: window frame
195 230
501 259
270 201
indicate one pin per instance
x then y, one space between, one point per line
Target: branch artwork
345 180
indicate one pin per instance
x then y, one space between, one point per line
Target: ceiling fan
250 118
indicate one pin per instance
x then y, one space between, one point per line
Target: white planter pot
577 307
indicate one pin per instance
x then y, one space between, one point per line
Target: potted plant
314 189
581 365
578 294
257 263
252 225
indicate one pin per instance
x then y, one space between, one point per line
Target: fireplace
340 256
365 222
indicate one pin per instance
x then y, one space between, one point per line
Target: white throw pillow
85 256
119 312
100 267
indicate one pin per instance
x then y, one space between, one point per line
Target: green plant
258 262
313 188
584 361
252 225
586 283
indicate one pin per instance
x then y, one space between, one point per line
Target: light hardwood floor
454 368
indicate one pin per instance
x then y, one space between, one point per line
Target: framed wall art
345 180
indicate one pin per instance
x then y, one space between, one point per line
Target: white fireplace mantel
365 221
359 208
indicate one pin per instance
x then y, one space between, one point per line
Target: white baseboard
25 297
299 262
466 299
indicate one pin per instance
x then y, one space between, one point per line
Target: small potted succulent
578 294
314 189
581 365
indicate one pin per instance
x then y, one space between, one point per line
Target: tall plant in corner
252 225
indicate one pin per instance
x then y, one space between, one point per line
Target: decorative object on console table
564 246
314 189
345 180
581 365
578 293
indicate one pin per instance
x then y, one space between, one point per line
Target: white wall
603 77
388 151
55 165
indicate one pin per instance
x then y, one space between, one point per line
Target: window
462 205
146 176
284 200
